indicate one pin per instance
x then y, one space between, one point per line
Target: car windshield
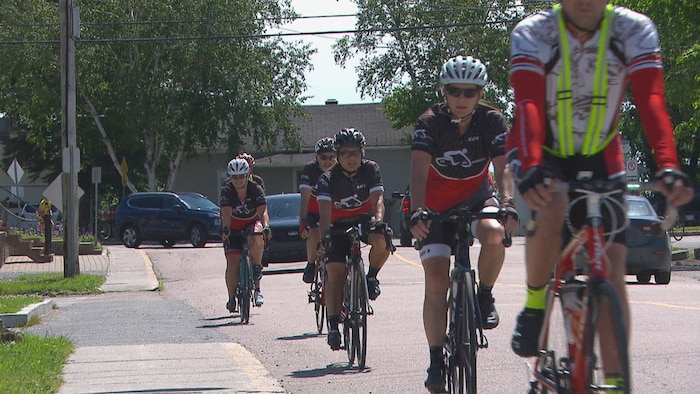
638 208
195 201
283 207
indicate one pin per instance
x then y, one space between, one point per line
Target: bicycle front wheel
462 341
359 336
606 313
245 289
319 304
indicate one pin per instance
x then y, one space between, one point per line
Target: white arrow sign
15 171
54 192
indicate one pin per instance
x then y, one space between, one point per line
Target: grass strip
52 284
34 364
14 304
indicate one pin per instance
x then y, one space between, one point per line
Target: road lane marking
405 260
665 305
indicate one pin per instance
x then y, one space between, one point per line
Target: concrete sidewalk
130 339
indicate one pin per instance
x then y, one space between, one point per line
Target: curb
682 254
21 318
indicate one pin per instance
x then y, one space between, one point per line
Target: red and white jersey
459 169
633 56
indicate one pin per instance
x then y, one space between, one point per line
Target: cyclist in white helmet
454 144
243 207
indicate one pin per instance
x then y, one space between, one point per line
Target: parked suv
167 218
406 238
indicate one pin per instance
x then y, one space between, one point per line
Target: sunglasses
326 157
239 176
351 153
456 92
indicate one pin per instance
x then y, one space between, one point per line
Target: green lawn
34 364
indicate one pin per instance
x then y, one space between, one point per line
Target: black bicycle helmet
349 137
325 145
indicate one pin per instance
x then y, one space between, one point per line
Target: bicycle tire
603 293
462 325
319 304
104 230
348 321
360 314
678 229
245 289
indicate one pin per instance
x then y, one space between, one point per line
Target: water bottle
572 307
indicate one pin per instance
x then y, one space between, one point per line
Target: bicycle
677 231
355 307
585 303
317 293
246 282
465 333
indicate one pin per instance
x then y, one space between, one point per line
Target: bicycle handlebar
603 187
463 217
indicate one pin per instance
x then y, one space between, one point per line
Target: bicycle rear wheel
319 304
678 229
245 289
604 306
462 341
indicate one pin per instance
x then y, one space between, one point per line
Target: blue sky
327 80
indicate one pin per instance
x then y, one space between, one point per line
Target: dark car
285 245
167 218
405 238
649 248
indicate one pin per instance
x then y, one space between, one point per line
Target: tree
403 44
160 81
676 21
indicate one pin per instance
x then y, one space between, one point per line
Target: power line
265 35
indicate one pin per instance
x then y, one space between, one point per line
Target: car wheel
198 236
167 243
406 238
643 277
130 237
662 277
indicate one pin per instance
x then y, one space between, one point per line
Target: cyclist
251 162
569 68
243 207
454 144
308 208
346 191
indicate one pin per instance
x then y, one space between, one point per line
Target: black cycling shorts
568 169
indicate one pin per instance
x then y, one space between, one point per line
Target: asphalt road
665 350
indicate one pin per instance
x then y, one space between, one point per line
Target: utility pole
71 154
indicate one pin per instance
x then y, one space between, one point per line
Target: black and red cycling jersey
633 58
309 181
350 196
244 211
459 168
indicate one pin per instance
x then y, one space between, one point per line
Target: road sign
125 171
15 171
632 170
54 192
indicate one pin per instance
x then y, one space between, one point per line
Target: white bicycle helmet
464 70
238 167
325 145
